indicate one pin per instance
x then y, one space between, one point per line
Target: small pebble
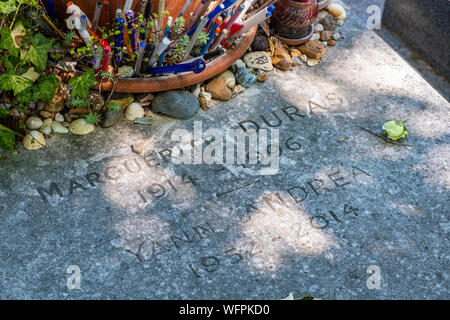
47 122
59 128
139 147
336 36
304 58
319 27
46 114
324 43
67 117
312 62
262 77
46 130
59 117
34 123
297 61
315 36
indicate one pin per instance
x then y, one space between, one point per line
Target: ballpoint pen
86 26
98 58
98 10
256 19
161 8
130 21
119 13
106 60
226 4
155 56
219 39
106 7
196 66
142 4
137 68
247 4
234 16
208 56
51 9
45 23
119 41
212 34
186 6
148 10
210 16
52 25
166 35
224 15
127 6
202 23
198 12
148 52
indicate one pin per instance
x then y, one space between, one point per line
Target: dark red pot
292 19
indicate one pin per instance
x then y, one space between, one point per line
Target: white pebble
315 36
59 117
34 123
318 27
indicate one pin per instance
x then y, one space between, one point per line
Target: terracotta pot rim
181 80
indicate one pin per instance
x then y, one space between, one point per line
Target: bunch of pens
148 40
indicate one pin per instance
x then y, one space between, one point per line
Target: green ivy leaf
3 113
7 7
45 91
31 74
10 40
37 53
81 84
7 62
25 96
3 128
17 83
7 139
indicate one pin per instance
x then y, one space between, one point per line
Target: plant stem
12 23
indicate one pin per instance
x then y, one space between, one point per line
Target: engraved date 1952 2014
212 263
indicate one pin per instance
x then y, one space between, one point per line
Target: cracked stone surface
141 226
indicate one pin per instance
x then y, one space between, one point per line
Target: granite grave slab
347 216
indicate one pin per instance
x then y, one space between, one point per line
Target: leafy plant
24 54
202 39
92 118
7 7
180 49
395 129
113 106
69 37
178 25
81 84
78 102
